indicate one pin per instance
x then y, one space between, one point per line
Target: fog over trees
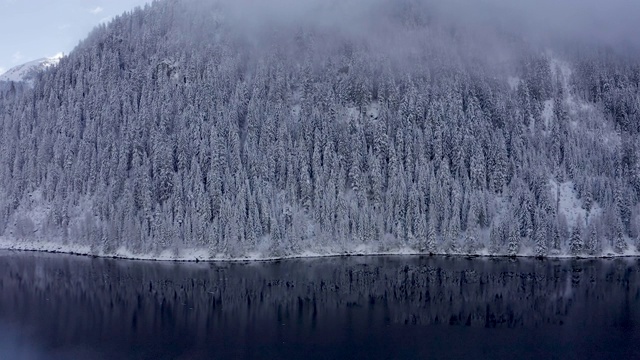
289 128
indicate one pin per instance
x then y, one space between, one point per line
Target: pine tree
620 243
592 245
432 245
496 239
470 241
560 233
422 232
513 246
478 167
576 243
540 234
588 201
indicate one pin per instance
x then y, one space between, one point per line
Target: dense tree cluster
171 128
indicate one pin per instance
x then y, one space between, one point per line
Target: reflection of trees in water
72 298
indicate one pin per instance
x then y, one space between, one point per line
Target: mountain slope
28 71
378 128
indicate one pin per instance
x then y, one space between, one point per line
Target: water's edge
202 255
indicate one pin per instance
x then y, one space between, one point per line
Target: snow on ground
39 209
372 111
188 255
25 72
296 109
570 205
513 82
30 217
562 70
167 255
42 246
585 116
193 255
352 114
547 113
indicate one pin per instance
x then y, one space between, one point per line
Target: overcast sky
33 29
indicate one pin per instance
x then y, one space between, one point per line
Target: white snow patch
499 209
547 113
44 246
372 111
193 255
562 70
30 217
352 114
296 110
514 82
166 255
631 249
584 116
526 249
27 71
568 203
369 112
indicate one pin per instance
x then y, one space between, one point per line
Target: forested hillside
192 125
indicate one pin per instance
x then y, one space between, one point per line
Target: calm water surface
64 307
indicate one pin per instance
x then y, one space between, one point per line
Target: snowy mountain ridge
26 72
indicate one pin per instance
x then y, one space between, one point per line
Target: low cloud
96 10
611 22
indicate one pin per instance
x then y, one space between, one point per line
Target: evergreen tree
432 242
620 243
592 245
513 245
576 243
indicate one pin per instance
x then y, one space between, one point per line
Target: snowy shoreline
200 255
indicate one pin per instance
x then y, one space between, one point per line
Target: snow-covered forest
192 127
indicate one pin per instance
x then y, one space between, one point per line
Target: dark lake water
64 307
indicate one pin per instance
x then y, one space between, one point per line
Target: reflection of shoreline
111 304
459 292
